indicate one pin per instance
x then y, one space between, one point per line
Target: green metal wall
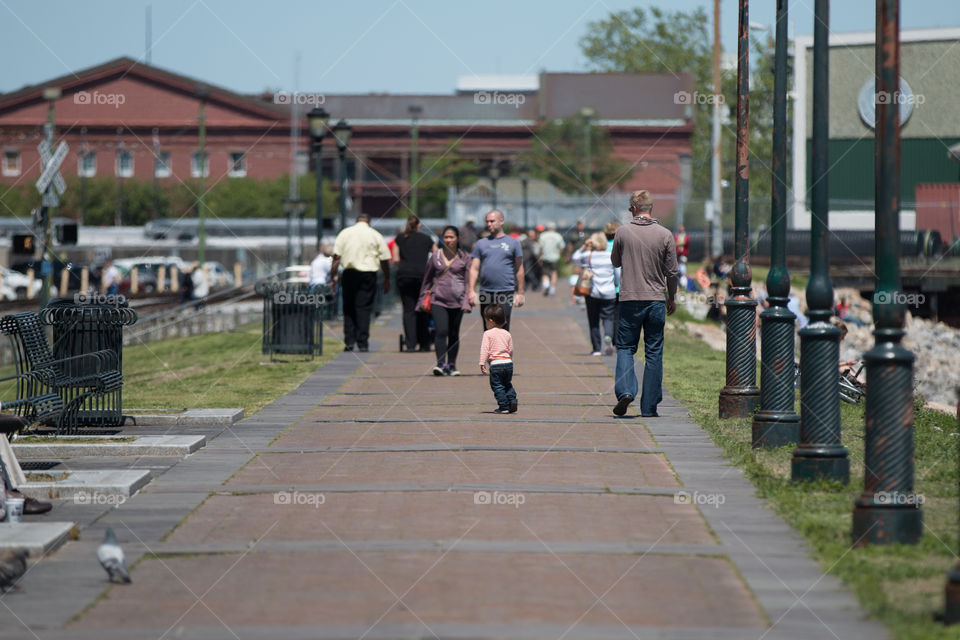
851 169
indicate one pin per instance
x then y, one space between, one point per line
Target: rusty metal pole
741 397
820 453
777 424
952 613
888 511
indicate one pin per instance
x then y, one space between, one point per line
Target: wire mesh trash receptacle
82 328
293 317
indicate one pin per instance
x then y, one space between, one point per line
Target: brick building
126 119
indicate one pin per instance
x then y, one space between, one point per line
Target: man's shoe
513 408
438 370
31 507
363 349
499 410
649 415
348 347
622 405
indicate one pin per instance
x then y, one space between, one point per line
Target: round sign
869 98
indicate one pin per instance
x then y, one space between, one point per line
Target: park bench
44 408
74 379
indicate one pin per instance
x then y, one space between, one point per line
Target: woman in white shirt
594 255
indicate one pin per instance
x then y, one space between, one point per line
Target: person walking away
593 255
648 288
575 238
496 349
551 248
610 232
531 260
360 249
468 234
497 265
320 267
446 281
110 282
410 253
201 286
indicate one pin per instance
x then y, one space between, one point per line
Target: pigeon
13 564
111 559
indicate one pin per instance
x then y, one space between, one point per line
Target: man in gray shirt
498 265
648 284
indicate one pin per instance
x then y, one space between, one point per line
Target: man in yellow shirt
361 250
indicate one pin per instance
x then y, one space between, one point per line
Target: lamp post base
820 464
886 524
773 429
739 402
951 614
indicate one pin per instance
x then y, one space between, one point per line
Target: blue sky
393 46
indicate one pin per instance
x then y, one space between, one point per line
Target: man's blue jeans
650 317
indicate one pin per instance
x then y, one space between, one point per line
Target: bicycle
852 390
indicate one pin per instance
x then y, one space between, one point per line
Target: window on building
87 165
238 165
195 164
124 164
11 162
161 165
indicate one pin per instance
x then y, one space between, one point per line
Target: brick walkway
402 507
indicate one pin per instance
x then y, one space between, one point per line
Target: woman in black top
410 253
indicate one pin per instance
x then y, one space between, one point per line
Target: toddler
497 349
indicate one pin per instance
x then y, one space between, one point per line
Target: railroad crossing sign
51 173
44 149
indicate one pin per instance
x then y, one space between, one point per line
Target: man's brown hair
640 201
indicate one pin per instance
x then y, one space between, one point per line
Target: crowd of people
626 276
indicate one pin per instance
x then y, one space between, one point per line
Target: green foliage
560 156
438 172
96 201
661 41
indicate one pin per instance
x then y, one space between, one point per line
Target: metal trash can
81 327
292 317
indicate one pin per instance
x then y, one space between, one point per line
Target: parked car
296 273
18 283
148 270
219 275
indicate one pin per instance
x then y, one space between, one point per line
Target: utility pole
415 111
716 219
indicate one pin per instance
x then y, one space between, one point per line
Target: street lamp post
156 185
587 113
524 173
118 216
740 397
318 120
888 511
51 95
820 453
202 92
494 173
777 424
341 133
294 208
415 111
84 150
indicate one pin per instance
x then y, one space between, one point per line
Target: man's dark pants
359 290
416 325
650 318
502 298
501 381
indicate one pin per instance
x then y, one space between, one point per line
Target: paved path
402 507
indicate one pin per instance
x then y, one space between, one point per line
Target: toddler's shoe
438 370
452 371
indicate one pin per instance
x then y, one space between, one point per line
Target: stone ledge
39 538
191 417
88 487
61 447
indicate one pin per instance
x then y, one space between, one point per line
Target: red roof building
132 120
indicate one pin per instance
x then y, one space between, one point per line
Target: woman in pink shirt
497 349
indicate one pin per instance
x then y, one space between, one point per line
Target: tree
561 157
438 172
661 41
